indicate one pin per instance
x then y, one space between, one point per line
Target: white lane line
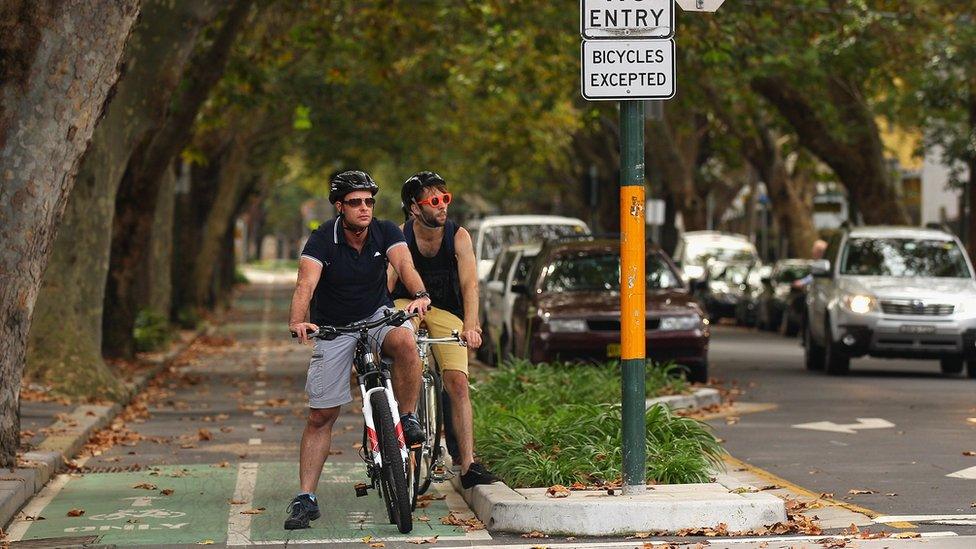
260 392
253 442
256 426
260 383
260 413
969 472
922 518
35 506
238 523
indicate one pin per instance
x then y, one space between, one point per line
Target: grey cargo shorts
327 382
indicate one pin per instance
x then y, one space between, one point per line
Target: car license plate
613 350
916 329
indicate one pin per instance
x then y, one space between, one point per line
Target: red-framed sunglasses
436 200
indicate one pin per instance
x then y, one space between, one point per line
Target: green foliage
188 317
239 277
152 331
544 424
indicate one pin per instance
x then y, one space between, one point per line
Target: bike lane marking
120 514
345 518
239 521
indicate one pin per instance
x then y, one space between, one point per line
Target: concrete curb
664 508
701 398
17 486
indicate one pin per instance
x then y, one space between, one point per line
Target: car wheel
951 365
971 369
788 328
813 354
835 363
697 372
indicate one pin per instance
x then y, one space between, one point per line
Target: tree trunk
676 156
971 240
136 200
855 151
158 279
72 296
58 64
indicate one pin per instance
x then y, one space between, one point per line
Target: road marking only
850 428
969 472
238 522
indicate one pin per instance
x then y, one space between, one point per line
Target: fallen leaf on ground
851 530
534 534
826 495
856 492
423 541
76 512
769 487
891 494
971 420
379 544
252 511
237 501
906 535
167 492
969 453
558 491
146 486
206 542
640 535
366 539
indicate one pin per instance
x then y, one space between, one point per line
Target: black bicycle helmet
349 181
414 186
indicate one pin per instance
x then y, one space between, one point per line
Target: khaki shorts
440 323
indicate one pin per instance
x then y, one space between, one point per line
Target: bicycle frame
374 377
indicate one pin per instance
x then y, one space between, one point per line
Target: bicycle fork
372 440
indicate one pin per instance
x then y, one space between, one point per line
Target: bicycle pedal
361 489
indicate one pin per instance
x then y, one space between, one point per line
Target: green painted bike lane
235 505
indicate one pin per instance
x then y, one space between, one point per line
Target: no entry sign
628 69
626 19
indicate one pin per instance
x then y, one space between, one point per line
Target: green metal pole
632 293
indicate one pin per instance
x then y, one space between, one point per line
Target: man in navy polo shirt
342 275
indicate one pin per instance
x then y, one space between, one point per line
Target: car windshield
498 237
904 257
592 273
700 254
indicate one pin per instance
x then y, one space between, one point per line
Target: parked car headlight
672 323
567 325
860 303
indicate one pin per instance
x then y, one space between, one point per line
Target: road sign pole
632 293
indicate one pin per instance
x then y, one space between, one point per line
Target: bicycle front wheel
429 413
393 473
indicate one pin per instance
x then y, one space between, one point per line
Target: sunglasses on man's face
357 202
436 200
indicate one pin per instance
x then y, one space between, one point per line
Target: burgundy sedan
569 308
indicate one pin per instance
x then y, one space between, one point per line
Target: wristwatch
420 294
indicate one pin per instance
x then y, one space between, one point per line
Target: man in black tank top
444 256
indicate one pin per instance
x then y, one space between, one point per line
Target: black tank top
439 273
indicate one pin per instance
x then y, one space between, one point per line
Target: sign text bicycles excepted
628 69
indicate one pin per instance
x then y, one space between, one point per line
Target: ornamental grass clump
545 424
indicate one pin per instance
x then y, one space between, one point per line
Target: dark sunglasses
357 202
436 200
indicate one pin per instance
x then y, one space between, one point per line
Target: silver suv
893 292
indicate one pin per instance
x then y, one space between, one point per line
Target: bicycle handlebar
330 332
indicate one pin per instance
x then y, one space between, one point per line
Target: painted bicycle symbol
138 513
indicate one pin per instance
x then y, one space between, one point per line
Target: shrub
545 424
152 331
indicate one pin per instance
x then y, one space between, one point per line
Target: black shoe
412 430
301 510
477 474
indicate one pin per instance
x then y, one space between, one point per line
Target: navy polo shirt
353 284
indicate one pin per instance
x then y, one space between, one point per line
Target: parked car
512 267
781 304
747 309
697 249
896 292
569 308
725 286
491 234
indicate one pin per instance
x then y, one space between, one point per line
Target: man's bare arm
468 276
401 260
309 272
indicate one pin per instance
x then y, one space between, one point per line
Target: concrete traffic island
663 508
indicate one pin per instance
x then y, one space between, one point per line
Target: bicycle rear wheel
393 473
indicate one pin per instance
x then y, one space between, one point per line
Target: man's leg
316 443
456 385
400 345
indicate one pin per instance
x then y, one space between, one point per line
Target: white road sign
628 69
626 19
700 5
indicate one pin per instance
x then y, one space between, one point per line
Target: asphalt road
905 464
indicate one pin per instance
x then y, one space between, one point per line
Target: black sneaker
412 431
301 510
477 474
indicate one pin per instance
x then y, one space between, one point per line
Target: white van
494 233
697 249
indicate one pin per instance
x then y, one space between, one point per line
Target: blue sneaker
301 510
